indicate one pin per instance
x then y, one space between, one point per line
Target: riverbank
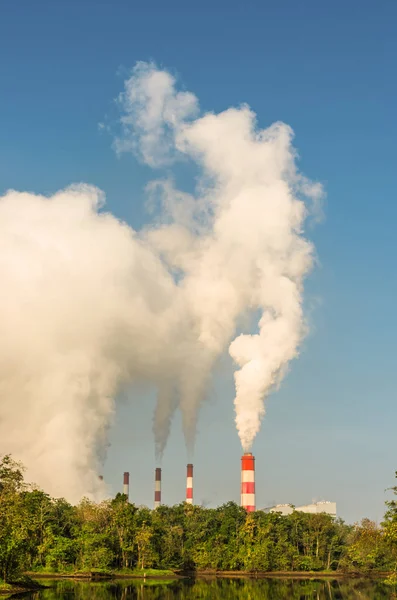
6 589
106 576
293 574
204 574
24 584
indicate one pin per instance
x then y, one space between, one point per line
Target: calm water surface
220 589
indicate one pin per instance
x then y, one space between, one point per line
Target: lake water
216 589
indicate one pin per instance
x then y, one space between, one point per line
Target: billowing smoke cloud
81 298
237 243
89 306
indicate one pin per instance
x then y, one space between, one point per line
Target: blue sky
326 69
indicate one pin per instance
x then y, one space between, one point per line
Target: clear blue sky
328 70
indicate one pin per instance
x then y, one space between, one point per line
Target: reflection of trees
219 589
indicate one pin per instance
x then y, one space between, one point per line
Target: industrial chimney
189 484
248 482
157 488
126 485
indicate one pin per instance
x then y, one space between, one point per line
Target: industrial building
326 507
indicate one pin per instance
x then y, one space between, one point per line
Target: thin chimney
248 482
189 484
157 488
126 485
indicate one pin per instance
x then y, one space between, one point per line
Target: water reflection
216 589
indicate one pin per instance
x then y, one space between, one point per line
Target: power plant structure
328 508
126 485
157 488
247 491
189 484
248 482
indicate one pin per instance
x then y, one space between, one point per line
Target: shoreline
211 574
11 589
291 575
14 590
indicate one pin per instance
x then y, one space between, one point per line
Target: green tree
366 548
14 524
124 528
93 535
390 528
146 554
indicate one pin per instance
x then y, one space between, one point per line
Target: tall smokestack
248 482
189 484
157 488
126 485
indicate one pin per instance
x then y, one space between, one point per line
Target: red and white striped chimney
189 484
248 482
157 488
126 485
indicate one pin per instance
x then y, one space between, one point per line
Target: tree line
40 533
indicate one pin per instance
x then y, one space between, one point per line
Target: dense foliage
38 532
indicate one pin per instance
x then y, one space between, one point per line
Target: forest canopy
40 533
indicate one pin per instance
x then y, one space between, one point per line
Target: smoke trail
237 243
167 403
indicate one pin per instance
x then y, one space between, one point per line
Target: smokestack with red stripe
157 488
126 485
189 484
248 482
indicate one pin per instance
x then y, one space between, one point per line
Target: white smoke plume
238 242
88 305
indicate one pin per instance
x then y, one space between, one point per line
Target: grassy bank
21 584
145 573
96 575
5 588
92 574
